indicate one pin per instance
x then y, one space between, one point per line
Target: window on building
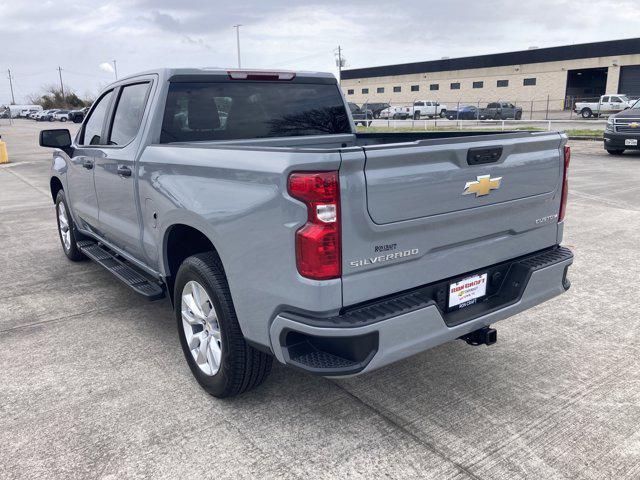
527 82
455 86
350 91
434 86
397 89
365 91
415 88
503 83
478 84
380 90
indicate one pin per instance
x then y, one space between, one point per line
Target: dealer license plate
631 142
467 291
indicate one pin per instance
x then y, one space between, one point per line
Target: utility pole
115 69
340 62
61 85
237 27
13 100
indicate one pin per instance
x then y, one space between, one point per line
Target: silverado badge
482 186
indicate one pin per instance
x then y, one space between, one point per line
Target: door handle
124 171
88 164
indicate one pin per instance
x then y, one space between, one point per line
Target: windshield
200 111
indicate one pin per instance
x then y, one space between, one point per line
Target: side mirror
56 138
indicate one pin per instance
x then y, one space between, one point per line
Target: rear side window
128 117
93 126
199 111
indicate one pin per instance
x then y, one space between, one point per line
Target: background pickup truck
276 230
501 111
426 108
607 105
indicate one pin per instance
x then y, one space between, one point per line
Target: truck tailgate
408 183
440 208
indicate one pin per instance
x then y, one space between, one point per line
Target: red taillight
565 183
318 242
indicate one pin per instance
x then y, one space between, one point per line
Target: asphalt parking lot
93 383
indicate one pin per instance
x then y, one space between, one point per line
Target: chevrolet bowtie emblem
482 186
634 125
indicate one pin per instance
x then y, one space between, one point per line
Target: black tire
63 119
615 152
242 367
72 252
376 115
369 123
586 113
443 113
416 115
518 115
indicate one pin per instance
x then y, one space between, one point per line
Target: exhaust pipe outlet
482 336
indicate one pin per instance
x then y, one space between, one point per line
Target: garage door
630 80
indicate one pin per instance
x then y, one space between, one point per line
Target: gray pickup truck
276 230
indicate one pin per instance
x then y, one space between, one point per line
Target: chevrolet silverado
276 230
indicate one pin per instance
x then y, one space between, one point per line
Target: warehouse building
553 77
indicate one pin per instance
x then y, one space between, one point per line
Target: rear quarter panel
238 198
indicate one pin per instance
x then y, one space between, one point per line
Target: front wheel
67 230
443 113
416 116
518 115
215 349
615 152
63 119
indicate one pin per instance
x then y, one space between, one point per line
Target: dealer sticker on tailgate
467 291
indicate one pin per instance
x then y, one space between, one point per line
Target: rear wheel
416 115
586 113
66 229
518 115
215 349
443 113
615 152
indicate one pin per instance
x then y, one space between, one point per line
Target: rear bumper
391 329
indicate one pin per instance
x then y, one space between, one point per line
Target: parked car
22 110
395 113
32 113
623 130
426 108
466 112
46 116
360 117
375 108
76 116
607 105
61 115
286 234
502 111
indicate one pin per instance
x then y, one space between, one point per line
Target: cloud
106 67
295 34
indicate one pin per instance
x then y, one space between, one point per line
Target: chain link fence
567 108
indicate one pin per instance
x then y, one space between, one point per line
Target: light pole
237 27
115 69
340 62
13 100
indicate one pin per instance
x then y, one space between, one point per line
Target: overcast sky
82 35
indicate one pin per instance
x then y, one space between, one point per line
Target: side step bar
123 271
